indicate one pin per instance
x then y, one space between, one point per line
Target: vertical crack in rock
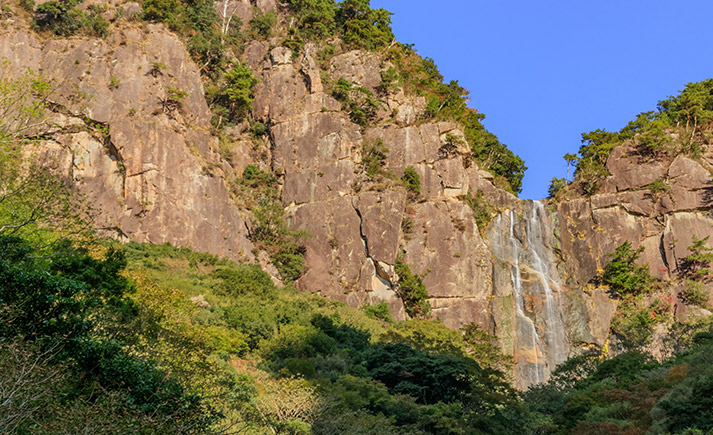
380 273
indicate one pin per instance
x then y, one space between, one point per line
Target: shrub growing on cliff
697 265
412 181
373 158
411 290
261 24
556 186
61 18
481 208
358 101
232 100
623 275
269 230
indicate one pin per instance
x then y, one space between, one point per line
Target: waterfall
527 268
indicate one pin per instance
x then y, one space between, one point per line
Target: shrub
358 102
61 18
234 97
412 181
623 275
379 311
373 158
556 186
364 27
269 230
693 293
261 24
411 290
696 265
481 208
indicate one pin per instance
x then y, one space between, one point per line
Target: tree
556 185
411 290
696 265
623 275
571 159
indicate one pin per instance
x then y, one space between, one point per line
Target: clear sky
544 71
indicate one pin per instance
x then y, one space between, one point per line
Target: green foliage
630 393
693 293
373 158
362 26
358 102
379 311
389 80
316 18
261 24
427 378
269 229
556 186
481 208
685 114
634 325
64 302
696 265
232 100
197 22
412 291
33 197
412 181
61 18
623 275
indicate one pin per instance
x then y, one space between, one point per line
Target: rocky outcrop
359 225
145 156
149 165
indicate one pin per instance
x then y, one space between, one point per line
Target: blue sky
544 72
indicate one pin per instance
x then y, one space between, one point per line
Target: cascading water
528 278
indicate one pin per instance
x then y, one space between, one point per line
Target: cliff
158 171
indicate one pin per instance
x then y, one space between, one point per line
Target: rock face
150 168
359 225
153 170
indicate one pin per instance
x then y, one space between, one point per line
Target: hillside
272 217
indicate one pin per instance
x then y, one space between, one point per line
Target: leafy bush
61 18
269 230
232 100
358 102
261 24
481 208
556 186
696 265
693 293
362 26
373 158
623 275
379 311
412 181
411 290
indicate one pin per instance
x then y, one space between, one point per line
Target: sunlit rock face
157 174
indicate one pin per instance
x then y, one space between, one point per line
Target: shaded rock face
151 170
